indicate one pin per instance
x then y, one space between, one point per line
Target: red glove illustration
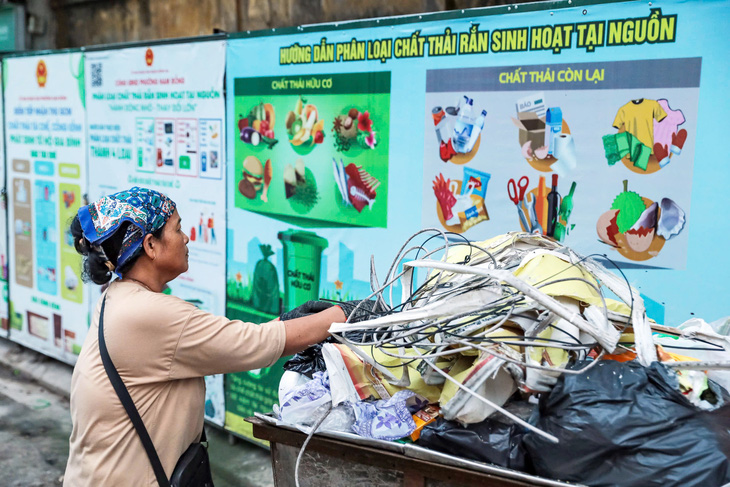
678 141
444 196
662 154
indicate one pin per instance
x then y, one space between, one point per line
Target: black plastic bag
307 362
310 360
624 424
493 441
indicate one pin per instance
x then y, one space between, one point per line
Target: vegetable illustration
258 126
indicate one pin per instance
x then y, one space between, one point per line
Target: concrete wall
88 22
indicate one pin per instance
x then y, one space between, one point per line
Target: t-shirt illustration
638 116
663 130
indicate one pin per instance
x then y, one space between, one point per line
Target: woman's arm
308 330
210 344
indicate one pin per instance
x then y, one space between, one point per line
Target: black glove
308 308
369 309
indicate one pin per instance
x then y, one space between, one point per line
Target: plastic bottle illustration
553 203
475 131
463 127
566 206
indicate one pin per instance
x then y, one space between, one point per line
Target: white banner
3 238
46 148
156 120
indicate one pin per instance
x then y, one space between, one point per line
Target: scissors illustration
516 192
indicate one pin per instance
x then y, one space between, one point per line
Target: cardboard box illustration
532 128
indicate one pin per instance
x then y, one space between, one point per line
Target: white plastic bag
305 404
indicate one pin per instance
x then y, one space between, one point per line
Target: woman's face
172 256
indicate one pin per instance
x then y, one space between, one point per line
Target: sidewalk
234 462
49 373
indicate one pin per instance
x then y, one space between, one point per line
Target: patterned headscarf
146 209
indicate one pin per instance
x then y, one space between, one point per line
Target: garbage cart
342 459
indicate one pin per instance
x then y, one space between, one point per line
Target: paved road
35 425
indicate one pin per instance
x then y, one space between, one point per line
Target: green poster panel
249 392
255 390
313 150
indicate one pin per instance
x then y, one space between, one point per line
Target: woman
161 345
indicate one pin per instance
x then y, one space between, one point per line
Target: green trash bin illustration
302 265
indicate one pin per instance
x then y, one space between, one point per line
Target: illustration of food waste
542 210
461 203
354 127
649 135
303 126
458 130
334 168
544 136
258 126
252 181
357 187
300 186
638 227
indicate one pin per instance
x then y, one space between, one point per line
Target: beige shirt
162 347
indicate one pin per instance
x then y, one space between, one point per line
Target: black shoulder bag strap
128 404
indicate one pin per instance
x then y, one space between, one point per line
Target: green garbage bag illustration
265 293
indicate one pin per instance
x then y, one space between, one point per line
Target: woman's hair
94 267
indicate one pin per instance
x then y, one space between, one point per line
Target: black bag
625 424
193 467
495 440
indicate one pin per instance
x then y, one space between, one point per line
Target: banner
584 123
156 119
45 137
4 325
302 159
309 195
561 129
596 125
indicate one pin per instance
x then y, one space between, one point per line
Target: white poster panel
3 238
45 137
156 120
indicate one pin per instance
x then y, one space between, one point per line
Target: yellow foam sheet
546 267
461 369
465 365
543 268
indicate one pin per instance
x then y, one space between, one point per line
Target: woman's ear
149 246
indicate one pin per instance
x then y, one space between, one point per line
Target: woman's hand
306 309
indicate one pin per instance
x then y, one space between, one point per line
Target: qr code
96 77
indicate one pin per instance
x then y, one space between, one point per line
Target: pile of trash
519 352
